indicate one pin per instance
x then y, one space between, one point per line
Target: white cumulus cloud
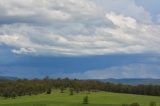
76 27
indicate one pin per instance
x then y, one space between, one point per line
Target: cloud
121 21
127 71
158 19
75 28
44 11
129 8
23 51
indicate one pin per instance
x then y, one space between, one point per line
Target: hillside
64 99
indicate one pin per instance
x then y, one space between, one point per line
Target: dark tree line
13 88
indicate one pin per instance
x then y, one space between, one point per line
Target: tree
85 100
22 87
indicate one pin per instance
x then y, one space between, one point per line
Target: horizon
11 77
82 39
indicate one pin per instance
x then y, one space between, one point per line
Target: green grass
95 99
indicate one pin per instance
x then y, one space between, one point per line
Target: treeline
13 88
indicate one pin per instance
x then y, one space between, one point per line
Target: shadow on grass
60 105
51 103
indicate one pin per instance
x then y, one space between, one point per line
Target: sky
84 39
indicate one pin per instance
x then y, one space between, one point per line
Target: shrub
49 91
62 89
85 100
71 91
13 95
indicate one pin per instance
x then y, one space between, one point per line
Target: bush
49 91
71 91
85 100
13 95
153 104
62 89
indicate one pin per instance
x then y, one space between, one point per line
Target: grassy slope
95 99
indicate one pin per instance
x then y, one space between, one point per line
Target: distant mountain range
129 81
133 81
7 78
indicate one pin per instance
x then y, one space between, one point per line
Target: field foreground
64 99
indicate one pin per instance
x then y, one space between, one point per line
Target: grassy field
64 99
